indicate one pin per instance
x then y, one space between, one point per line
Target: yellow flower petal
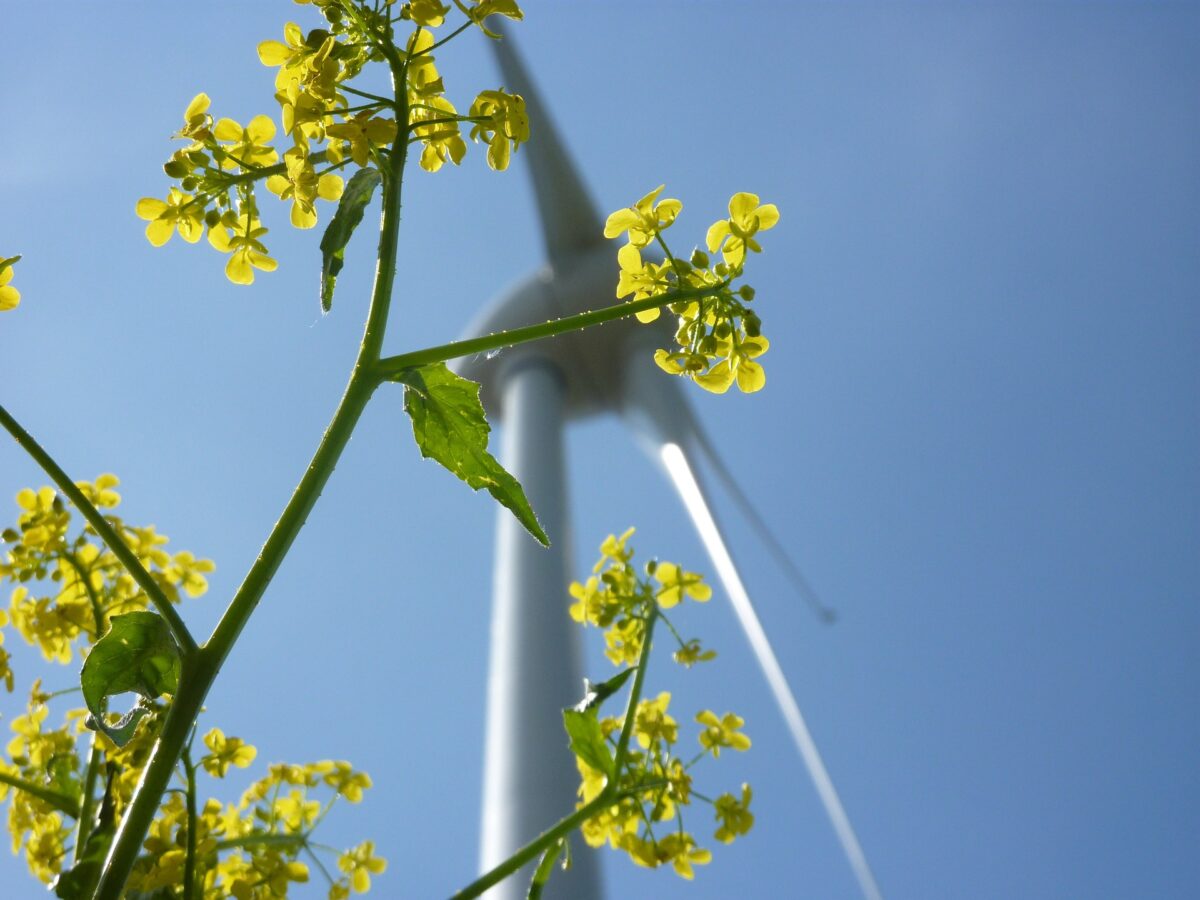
198 107
750 376
10 297
273 53
261 129
149 208
742 205
330 187
159 232
768 215
228 130
716 233
238 269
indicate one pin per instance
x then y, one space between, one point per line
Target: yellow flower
652 724
680 848
342 778
746 219
677 584
504 125
186 570
721 732
9 296
304 186
362 132
360 863
734 815
248 252
613 550
644 219
178 213
429 13
690 654
250 145
196 120
225 752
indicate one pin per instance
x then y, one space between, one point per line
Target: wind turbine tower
535 669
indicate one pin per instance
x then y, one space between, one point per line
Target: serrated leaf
357 194
451 428
137 654
596 694
587 740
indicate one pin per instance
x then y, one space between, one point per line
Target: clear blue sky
980 433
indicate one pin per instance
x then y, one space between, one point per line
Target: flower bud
699 259
746 292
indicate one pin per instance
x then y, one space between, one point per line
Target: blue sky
979 434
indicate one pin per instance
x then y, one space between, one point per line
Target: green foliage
451 428
137 654
337 234
86 592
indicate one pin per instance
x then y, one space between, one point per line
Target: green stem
200 669
610 795
391 366
87 810
263 840
189 865
106 532
635 694
535 847
61 802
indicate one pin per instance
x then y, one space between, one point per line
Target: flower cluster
719 338
649 780
9 296
68 585
326 124
67 786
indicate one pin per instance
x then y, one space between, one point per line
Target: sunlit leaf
450 427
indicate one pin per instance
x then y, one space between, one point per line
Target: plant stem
61 802
200 669
87 810
189 866
611 793
393 365
534 847
106 532
635 694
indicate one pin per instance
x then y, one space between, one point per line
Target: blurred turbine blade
569 220
765 534
657 412
684 477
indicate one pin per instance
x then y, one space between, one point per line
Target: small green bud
189 183
708 346
699 259
746 292
212 218
722 330
651 567
752 324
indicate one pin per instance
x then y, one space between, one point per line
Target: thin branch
105 531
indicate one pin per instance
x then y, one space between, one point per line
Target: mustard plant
115 803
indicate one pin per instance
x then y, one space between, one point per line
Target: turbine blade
657 411
569 219
765 534
684 478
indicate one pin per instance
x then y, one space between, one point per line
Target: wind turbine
534 390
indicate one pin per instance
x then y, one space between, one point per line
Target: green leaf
541 875
587 740
595 694
349 213
137 654
450 427
78 882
